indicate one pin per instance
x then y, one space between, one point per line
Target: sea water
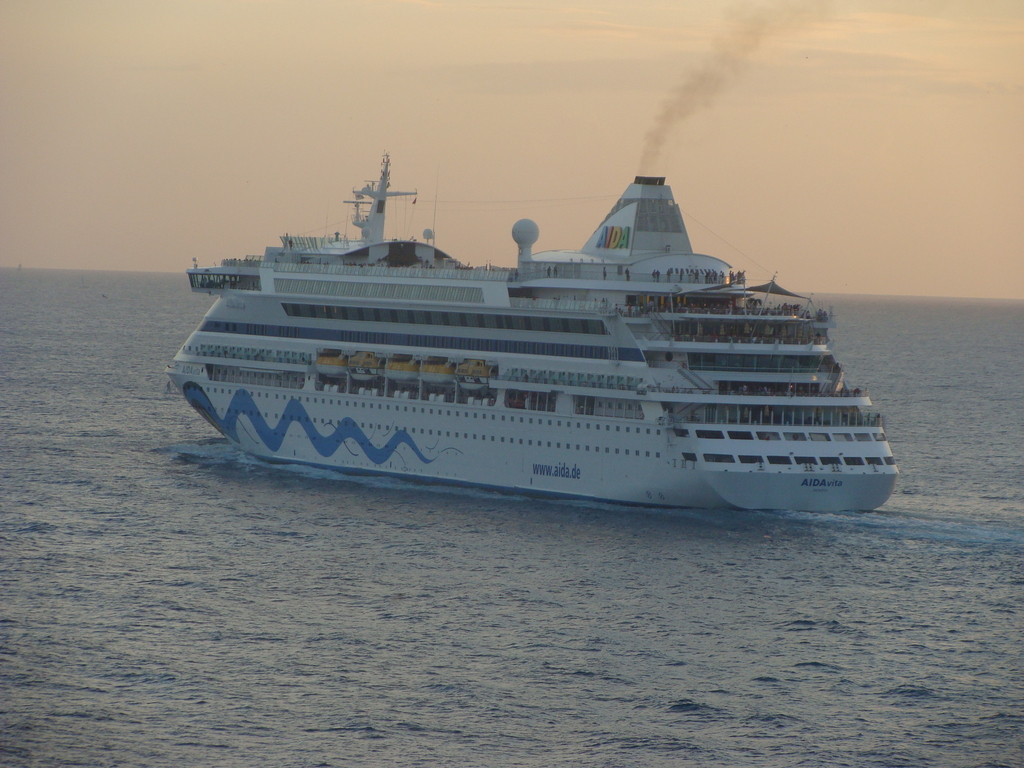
167 601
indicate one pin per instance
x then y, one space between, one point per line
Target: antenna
433 224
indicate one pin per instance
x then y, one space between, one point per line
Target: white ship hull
461 444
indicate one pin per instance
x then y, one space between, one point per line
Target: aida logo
818 483
614 237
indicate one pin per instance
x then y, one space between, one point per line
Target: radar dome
525 232
428 234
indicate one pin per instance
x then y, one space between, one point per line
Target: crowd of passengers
693 275
734 388
751 307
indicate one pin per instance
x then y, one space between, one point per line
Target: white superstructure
632 370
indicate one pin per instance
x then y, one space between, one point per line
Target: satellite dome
525 232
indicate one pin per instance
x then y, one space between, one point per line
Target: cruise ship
632 370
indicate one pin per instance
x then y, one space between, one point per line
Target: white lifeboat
364 366
402 368
475 374
332 365
437 371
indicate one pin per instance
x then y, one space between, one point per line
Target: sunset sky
851 147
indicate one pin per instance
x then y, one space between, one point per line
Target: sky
848 147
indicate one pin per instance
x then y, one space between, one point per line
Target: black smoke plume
730 55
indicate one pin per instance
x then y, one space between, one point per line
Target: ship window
875 460
843 436
647 454
863 437
798 436
710 434
657 455
719 458
616 428
880 437
607 450
820 437
779 460
829 459
889 460
805 460
751 460
854 461
740 435
616 450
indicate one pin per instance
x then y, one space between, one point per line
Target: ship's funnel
644 222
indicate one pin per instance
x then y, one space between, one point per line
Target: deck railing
493 274
779 417
503 274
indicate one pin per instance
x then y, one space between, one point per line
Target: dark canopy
775 289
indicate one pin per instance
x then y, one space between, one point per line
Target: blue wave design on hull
242 403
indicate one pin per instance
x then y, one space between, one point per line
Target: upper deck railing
533 271
503 274
494 274
566 305
612 272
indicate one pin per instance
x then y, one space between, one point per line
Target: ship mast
372 224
